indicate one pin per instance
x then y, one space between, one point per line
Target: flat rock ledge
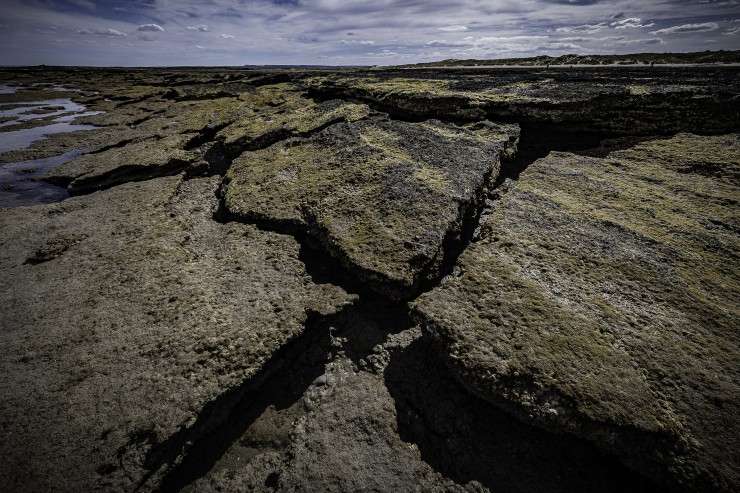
602 299
387 198
132 321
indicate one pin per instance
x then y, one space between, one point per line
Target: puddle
63 112
20 184
21 139
67 109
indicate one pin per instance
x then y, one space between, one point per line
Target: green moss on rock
381 195
602 299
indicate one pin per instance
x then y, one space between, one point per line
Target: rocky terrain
370 280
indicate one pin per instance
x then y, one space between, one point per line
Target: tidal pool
20 183
62 111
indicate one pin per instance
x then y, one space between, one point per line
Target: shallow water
20 184
65 116
21 139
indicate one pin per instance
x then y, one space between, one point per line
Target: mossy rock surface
131 319
278 111
132 162
663 101
383 196
602 299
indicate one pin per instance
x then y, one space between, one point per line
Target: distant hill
720 56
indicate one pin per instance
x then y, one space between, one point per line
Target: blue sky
351 32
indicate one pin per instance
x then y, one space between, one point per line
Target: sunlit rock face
407 279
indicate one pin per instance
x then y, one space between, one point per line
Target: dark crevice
207 134
467 439
124 174
143 119
537 140
117 145
319 263
191 453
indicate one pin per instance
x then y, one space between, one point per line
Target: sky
351 32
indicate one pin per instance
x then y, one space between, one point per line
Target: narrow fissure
281 383
537 140
422 418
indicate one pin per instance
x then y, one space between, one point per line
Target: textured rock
280 111
385 197
665 100
133 162
131 322
602 299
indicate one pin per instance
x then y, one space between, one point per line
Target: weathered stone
133 162
280 111
385 197
666 100
131 322
602 300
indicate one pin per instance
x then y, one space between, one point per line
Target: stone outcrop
349 280
601 299
664 101
131 323
386 198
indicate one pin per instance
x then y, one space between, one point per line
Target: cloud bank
351 32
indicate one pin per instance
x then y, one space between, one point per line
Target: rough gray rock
387 198
602 300
131 323
133 162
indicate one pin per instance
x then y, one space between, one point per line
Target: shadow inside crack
195 451
538 139
466 439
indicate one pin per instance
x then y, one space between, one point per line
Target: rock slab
602 299
130 322
385 197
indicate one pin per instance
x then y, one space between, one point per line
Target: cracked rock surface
136 314
602 299
373 280
383 196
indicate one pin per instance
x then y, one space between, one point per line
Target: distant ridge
721 56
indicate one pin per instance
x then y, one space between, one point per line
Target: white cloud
633 42
452 29
102 32
227 36
356 42
732 32
688 28
200 47
631 23
584 28
150 27
203 28
559 46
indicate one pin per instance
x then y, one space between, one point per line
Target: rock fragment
387 198
139 323
602 300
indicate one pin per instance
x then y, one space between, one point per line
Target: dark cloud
575 2
341 31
